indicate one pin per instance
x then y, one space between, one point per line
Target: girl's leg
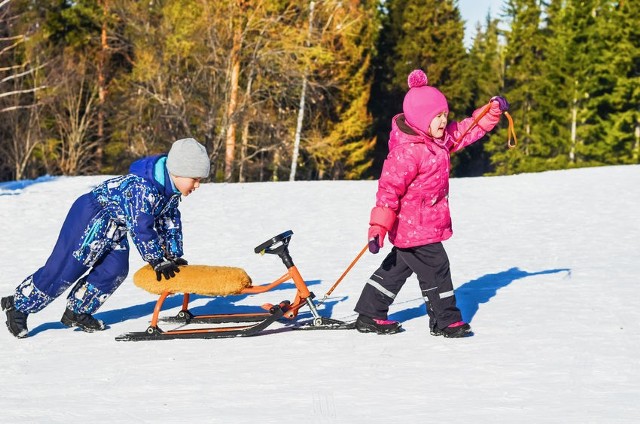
431 264
383 286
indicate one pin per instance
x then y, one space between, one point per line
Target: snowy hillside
545 267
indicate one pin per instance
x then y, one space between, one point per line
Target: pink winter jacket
414 183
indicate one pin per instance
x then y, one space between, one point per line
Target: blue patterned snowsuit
93 239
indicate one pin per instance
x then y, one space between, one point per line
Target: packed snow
545 268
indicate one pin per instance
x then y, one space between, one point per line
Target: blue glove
502 102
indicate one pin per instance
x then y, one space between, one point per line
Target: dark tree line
306 89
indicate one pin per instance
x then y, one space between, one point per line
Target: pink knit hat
422 102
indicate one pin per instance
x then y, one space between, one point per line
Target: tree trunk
275 165
296 142
245 135
636 147
574 116
102 82
296 139
230 142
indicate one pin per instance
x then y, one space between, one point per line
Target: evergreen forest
282 90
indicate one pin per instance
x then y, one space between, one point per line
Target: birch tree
20 84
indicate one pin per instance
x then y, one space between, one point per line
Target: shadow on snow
217 304
11 188
470 295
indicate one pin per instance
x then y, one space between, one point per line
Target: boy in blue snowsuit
92 251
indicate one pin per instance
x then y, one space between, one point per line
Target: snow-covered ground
545 267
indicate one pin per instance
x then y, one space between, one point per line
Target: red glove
381 221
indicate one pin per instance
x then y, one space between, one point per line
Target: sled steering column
279 245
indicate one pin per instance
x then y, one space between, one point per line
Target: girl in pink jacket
412 207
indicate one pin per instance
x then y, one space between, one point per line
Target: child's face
186 185
438 124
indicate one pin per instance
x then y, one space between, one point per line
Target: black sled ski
155 333
323 323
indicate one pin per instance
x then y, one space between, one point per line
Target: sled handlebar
275 245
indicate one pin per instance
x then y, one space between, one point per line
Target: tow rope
511 129
351 265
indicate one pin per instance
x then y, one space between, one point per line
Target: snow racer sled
223 281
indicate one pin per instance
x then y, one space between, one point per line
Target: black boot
85 322
16 320
454 331
365 324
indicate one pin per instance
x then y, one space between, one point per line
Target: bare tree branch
27 72
14 92
19 107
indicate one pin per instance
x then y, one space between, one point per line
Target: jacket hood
402 133
145 168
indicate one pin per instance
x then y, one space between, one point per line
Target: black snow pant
431 265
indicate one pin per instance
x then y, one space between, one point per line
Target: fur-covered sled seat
198 279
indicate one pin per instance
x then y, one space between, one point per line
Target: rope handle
511 130
473 124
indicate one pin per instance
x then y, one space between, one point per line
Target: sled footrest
186 317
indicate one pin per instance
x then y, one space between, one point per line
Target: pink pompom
417 78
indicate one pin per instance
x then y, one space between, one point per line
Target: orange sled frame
278 245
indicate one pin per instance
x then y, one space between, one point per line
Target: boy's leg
61 269
431 264
107 275
91 292
381 289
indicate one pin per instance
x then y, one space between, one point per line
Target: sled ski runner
324 323
155 333
222 281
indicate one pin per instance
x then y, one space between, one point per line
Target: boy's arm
141 223
170 229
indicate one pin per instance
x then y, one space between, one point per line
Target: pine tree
419 34
342 146
585 49
523 59
584 102
592 68
486 81
557 93
614 103
626 95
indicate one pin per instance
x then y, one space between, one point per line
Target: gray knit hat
188 158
